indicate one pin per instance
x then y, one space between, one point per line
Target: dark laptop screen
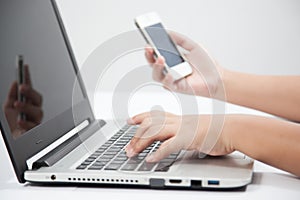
41 93
44 85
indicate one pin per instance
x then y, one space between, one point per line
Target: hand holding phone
155 35
205 79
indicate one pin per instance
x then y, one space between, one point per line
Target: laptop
49 128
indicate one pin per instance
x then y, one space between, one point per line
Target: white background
254 36
259 36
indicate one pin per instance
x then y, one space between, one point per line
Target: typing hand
186 132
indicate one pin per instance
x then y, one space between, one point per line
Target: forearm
272 141
277 95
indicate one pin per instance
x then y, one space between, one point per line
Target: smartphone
21 80
155 34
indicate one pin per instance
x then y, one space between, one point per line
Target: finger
163 151
32 112
158 69
149 54
183 41
140 131
144 125
154 133
26 125
137 119
133 150
31 94
27 75
12 94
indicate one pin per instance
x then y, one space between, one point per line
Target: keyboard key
107 156
146 151
103 159
120 144
114 149
129 167
113 166
100 163
121 158
146 166
96 167
81 167
93 157
142 155
118 161
110 153
86 163
134 160
122 154
90 159
167 160
163 167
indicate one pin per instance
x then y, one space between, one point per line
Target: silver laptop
49 128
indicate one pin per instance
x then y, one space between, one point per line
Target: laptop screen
42 86
39 85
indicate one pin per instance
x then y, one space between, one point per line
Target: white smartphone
151 27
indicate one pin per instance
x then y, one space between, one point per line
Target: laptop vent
103 180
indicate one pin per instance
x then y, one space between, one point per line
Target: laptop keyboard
112 156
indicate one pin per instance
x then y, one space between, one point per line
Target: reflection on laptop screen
37 75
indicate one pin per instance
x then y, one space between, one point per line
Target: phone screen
164 44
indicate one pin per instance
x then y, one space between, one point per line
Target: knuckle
147 122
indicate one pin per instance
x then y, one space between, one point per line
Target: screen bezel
38 138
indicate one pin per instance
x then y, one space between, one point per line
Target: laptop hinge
67 145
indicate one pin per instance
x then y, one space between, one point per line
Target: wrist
229 134
216 134
220 92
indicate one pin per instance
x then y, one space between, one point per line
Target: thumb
183 41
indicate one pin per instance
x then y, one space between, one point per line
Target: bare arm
272 141
277 95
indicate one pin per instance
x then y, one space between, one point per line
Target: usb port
213 182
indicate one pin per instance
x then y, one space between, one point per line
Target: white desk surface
268 182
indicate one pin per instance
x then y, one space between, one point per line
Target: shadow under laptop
119 186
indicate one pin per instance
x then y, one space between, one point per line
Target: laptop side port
175 181
213 182
196 184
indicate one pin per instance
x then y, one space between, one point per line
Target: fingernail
129 151
130 121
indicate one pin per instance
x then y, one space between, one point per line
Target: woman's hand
205 79
189 132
